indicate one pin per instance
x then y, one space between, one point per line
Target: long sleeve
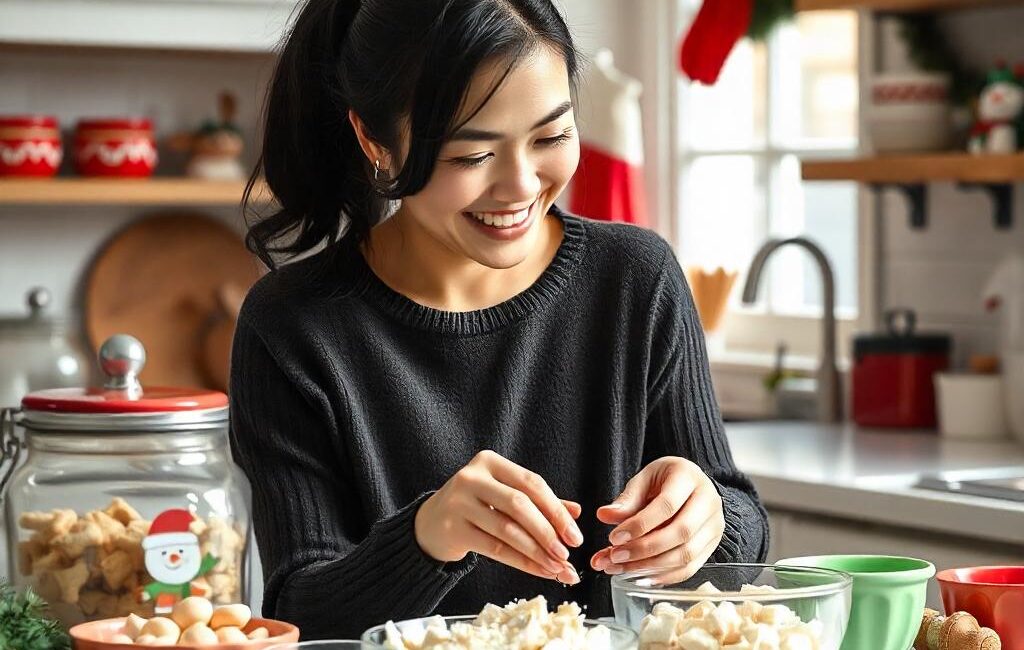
683 417
327 571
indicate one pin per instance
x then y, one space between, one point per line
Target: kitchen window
739 144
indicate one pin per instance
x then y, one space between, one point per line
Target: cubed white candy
757 589
698 639
700 610
724 622
708 588
795 640
761 636
658 629
749 610
663 608
777 615
392 637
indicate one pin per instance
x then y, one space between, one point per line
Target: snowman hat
170 527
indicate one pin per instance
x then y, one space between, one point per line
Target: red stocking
719 24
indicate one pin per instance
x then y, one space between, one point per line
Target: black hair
387 60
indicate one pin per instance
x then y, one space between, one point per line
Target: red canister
892 374
30 145
115 147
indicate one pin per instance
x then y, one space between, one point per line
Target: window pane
825 213
731 113
815 85
722 208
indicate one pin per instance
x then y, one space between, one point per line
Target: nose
174 558
517 182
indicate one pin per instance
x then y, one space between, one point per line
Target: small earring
376 169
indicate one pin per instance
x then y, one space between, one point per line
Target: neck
415 264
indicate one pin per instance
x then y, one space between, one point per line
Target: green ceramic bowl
888 597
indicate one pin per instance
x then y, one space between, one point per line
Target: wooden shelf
900 5
121 191
919 168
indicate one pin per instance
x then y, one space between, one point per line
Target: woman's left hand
669 516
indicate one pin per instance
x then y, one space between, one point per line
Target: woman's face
500 172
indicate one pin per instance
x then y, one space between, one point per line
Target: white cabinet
795 534
224 25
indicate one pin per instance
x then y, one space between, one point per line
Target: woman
470 400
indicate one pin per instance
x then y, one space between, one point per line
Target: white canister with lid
110 474
970 405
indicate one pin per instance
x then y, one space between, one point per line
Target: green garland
23 625
929 49
766 14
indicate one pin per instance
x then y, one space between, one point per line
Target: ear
371 149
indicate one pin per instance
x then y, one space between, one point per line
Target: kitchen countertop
868 475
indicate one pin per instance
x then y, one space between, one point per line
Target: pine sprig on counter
23 625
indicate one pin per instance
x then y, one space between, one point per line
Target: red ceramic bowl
30 145
992 594
115 147
96 635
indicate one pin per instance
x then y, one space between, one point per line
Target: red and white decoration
115 147
30 145
172 553
609 182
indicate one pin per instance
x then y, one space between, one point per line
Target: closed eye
553 141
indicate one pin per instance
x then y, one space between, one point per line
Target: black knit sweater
350 403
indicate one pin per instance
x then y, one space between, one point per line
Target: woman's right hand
502 511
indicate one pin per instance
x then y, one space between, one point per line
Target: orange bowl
992 594
97 635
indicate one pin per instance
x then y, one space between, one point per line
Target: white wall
941 271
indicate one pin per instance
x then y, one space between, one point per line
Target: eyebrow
479 135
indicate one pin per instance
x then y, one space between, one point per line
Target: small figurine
216 147
997 128
174 560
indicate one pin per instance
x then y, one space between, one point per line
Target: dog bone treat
93 565
520 625
727 626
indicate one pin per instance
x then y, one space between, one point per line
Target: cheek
451 190
562 163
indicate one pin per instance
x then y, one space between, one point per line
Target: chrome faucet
829 400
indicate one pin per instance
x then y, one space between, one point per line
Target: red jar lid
122 404
100 400
29 120
134 123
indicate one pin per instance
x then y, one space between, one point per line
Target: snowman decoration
1000 111
174 561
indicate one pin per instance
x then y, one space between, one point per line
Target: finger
674 560
499 525
696 513
630 500
496 549
534 486
601 559
685 573
674 492
519 507
575 509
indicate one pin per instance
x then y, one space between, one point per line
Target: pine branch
23 625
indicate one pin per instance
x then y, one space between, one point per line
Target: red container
992 594
30 145
892 374
115 147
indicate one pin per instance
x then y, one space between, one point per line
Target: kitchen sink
1005 483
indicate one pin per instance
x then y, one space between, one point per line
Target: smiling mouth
504 219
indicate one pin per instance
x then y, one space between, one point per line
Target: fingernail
570 576
613 569
574 535
620 556
620 537
601 562
559 551
614 506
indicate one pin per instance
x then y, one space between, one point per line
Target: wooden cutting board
162 279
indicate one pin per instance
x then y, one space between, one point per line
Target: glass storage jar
128 499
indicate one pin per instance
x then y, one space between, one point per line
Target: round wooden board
158 280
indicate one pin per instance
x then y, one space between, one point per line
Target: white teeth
501 220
